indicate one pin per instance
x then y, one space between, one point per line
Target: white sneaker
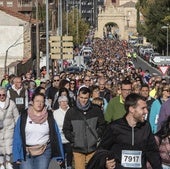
8 166
2 167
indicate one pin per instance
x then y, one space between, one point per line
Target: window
129 13
9 4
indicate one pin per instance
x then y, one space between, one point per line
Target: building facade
117 17
17 42
88 9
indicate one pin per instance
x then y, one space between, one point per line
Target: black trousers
68 155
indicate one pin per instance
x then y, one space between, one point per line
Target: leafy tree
156 14
77 27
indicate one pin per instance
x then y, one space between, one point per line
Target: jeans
37 162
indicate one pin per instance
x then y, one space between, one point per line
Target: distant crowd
82 104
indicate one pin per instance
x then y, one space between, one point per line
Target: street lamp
37 42
60 21
47 39
6 54
66 18
92 16
77 25
167 28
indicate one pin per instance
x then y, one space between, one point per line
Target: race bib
19 100
131 158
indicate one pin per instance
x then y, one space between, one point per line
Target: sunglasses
2 95
56 80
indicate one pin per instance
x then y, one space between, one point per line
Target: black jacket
120 136
78 133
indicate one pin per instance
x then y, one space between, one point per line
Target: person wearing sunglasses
53 89
163 94
86 81
8 117
164 111
73 89
115 108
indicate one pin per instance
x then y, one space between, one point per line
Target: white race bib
131 158
19 100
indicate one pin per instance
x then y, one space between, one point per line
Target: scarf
85 107
40 118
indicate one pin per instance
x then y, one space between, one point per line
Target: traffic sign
61 47
162 60
163 69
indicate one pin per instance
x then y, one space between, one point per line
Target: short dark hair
84 90
38 94
126 82
94 87
132 100
145 85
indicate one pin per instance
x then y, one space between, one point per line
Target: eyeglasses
87 80
2 95
56 80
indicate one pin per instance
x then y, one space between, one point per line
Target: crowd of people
111 111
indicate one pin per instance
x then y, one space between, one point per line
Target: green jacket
115 109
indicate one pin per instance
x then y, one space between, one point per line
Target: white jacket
59 115
9 114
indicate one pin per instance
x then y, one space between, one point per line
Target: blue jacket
154 114
19 143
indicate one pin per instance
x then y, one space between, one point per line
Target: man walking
83 125
130 138
115 108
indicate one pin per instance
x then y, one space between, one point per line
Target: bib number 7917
131 158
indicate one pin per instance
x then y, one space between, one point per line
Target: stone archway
110 30
123 15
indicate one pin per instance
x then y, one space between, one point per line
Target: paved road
146 66
154 71
54 165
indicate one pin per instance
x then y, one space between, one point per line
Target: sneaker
2 167
8 166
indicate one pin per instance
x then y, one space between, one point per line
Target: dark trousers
15 166
68 155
